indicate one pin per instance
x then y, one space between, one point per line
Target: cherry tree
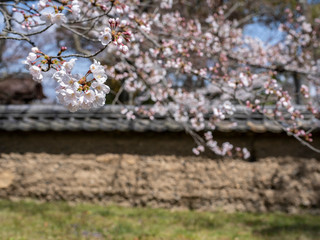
195 67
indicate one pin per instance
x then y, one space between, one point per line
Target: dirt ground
269 184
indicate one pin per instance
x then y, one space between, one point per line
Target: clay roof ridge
44 117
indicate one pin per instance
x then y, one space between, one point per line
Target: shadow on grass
303 228
312 230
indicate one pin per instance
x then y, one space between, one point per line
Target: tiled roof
109 118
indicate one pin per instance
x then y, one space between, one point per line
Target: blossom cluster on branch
193 68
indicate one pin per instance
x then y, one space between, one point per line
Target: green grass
45 221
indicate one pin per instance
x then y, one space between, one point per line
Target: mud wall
269 184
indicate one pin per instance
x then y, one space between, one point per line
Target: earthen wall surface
269 184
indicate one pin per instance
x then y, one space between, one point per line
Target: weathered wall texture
285 184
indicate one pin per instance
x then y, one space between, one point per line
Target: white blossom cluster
224 150
58 17
224 110
75 8
118 37
77 93
34 70
53 18
105 36
167 4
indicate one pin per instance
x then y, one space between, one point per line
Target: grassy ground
34 221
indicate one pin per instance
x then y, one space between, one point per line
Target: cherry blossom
195 69
77 92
